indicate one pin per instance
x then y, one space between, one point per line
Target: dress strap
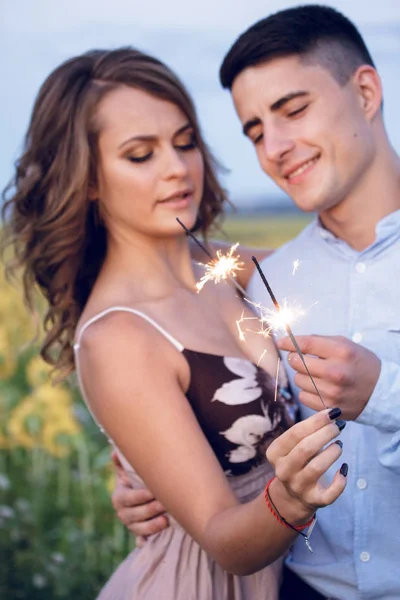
165 333
169 337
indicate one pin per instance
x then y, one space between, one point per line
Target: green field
263 230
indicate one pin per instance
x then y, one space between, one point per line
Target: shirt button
361 484
361 267
357 337
365 556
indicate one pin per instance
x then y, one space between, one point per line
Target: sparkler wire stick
194 238
287 327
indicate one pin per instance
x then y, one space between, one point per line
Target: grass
263 231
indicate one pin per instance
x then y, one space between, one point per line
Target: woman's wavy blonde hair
56 236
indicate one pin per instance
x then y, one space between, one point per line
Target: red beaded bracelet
283 521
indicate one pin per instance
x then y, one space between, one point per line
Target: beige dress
172 566
240 412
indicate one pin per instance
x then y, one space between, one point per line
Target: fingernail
341 424
334 413
344 469
339 443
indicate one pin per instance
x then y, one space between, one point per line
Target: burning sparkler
270 319
286 326
223 266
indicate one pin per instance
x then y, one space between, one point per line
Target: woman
113 155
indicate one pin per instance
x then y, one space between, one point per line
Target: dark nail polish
341 424
344 469
339 443
334 413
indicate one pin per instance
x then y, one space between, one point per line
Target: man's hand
137 509
345 373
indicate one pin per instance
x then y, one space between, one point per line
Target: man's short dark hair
318 34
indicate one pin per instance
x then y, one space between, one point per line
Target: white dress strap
169 337
165 333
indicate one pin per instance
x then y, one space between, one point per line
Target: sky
191 37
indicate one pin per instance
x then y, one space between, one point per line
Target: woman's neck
157 265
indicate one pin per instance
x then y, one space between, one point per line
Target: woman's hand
300 457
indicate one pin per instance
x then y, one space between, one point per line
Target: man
309 98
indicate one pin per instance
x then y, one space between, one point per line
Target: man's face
311 135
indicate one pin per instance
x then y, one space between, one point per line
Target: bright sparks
270 319
278 320
296 264
222 267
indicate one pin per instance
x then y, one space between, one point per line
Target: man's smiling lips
297 173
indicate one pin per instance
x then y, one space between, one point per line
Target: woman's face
150 168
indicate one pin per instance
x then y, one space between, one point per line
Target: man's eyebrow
273 108
285 99
250 124
151 138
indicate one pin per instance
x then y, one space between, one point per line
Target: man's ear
369 88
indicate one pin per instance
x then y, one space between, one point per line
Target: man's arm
353 378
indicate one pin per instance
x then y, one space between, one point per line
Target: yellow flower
56 435
45 419
52 397
20 428
4 443
14 316
8 361
37 371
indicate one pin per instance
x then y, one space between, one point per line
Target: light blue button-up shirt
356 541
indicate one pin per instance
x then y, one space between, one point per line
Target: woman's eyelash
189 146
140 159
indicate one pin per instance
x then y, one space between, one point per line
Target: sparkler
286 326
275 320
223 266
277 378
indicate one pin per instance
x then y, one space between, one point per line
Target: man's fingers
146 528
313 401
121 474
131 498
316 366
318 345
325 388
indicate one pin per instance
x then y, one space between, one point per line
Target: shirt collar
386 228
